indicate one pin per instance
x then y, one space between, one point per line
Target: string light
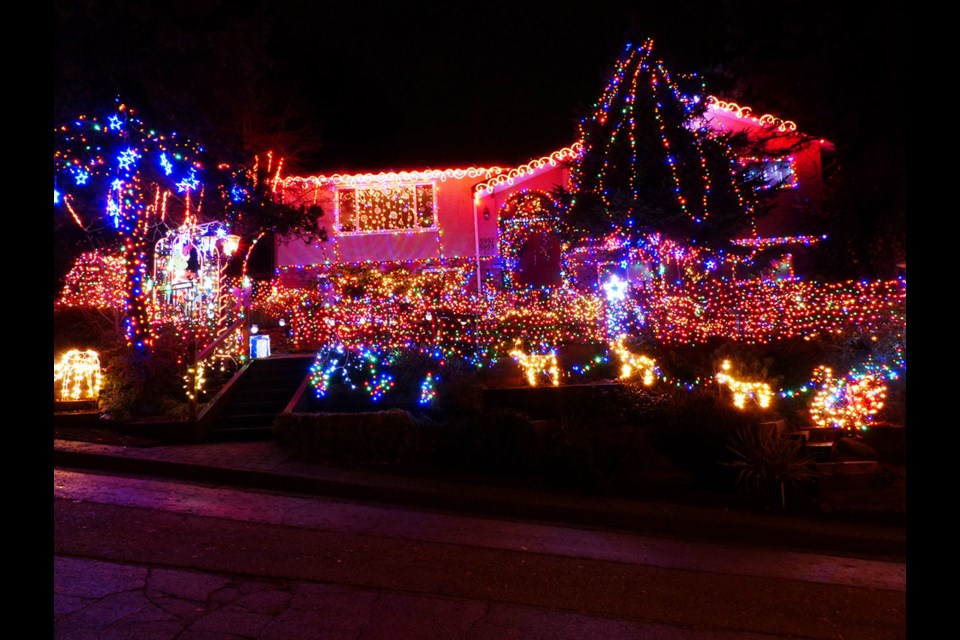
535 365
759 392
79 374
631 363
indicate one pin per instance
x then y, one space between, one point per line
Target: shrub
371 436
140 385
496 442
772 464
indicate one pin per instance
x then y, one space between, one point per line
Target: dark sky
400 85
464 84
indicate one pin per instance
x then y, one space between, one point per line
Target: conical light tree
649 163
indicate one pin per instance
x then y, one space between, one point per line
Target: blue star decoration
189 183
128 158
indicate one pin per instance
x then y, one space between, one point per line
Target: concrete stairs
255 399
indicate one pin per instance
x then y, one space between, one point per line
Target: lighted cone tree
649 164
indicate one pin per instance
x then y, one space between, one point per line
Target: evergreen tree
649 164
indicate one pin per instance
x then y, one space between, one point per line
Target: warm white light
759 392
230 244
631 362
536 364
79 373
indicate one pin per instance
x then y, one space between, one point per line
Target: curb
713 524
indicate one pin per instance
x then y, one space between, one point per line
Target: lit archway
530 246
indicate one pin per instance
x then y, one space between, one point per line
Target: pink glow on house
428 217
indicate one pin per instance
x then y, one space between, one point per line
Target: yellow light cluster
535 365
79 375
759 392
630 363
845 404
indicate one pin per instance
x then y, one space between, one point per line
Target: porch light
230 244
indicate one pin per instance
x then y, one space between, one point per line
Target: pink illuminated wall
468 202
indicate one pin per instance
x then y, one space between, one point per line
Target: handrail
203 355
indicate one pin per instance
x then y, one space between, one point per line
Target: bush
140 385
372 436
498 442
772 465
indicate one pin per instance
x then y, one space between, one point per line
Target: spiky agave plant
770 462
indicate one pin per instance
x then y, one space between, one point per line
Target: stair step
260 395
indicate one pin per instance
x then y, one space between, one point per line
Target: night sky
359 86
396 88
383 85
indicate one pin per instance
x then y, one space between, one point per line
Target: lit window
391 207
771 173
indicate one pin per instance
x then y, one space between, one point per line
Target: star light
615 288
128 158
189 183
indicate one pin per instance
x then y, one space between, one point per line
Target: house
502 221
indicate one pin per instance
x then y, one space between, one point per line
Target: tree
835 70
116 178
122 182
650 164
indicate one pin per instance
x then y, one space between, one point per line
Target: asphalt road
193 562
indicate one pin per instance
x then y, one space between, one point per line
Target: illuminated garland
530 168
763 243
746 113
384 178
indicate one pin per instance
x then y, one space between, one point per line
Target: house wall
464 232
775 136
453 237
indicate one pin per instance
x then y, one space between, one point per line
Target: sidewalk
268 465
